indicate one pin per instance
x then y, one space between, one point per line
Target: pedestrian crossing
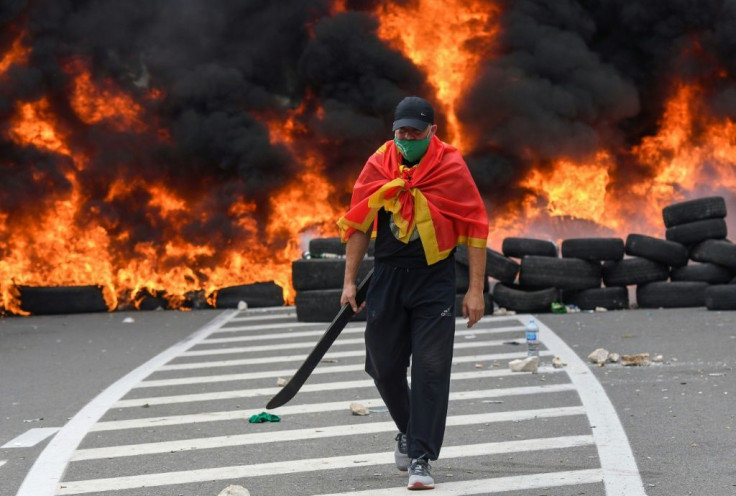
183 429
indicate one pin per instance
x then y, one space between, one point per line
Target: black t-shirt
391 250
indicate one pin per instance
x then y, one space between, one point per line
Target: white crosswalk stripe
538 420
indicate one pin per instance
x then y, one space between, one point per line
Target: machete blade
333 331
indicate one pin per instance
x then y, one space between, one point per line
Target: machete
333 331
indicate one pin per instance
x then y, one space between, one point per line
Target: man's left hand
474 307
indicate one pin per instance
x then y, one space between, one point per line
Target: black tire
680 294
656 249
145 300
593 249
256 295
324 273
613 298
333 245
320 305
459 304
511 297
498 266
713 207
702 272
635 270
52 300
522 247
717 251
695 232
562 273
721 297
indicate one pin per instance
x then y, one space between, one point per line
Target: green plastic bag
558 307
263 417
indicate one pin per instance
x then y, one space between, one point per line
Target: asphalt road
678 415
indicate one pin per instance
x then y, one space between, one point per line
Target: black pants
411 314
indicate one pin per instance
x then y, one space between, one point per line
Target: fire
34 125
446 39
94 103
18 54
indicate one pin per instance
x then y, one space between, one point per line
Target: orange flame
448 40
18 54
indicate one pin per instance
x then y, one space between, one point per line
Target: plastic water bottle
532 338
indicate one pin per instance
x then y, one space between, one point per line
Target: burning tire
498 266
514 298
260 294
635 270
713 207
721 252
655 249
320 305
680 294
323 273
562 273
721 297
702 272
610 298
522 247
593 249
695 232
62 299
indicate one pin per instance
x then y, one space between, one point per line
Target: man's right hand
348 296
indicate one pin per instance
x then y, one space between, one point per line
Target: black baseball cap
413 111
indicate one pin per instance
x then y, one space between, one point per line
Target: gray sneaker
420 476
400 453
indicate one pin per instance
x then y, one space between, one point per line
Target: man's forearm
355 251
476 268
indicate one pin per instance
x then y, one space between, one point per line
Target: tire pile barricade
318 279
694 266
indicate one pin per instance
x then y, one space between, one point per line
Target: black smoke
565 77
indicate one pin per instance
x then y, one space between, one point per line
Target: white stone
234 491
598 356
528 364
358 409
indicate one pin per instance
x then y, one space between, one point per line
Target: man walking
416 196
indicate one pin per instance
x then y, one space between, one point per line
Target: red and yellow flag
437 196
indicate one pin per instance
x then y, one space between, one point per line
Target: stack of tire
702 262
574 277
523 297
318 279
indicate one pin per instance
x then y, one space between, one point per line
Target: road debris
598 357
640 359
614 357
558 363
234 491
128 320
242 305
359 409
263 417
657 358
600 309
281 382
528 364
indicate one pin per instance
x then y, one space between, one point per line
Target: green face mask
412 150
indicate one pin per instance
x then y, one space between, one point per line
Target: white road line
31 437
334 369
312 433
350 330
620 473
283 315
309 465
280 325
496 484
326 386
341 341
465 343
3 462
44 476
273 347
148 422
